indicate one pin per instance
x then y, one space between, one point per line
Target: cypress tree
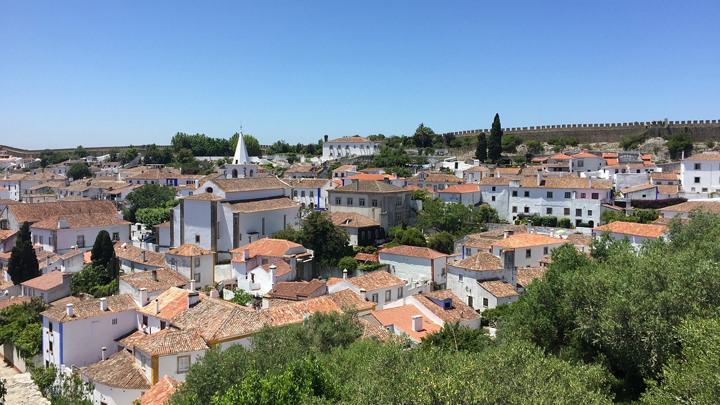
482 147
102 250
495 140
23 264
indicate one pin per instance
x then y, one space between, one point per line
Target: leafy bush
534 146
657 204
632 141
348 263
544 221
565 223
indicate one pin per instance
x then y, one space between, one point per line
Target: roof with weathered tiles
704 156
709 206
76 221
127 251
171 302
160 393
636 229
368 186
217 320
413 251
401 318
47 281
164 279
527 240
461 189
169 341
118 371
245 184
375 280
91 308
40 211
189 250
268 204
458 312
351 219
266 247
499 289
482 261
525 275
294 289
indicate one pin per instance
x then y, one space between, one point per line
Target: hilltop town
149 273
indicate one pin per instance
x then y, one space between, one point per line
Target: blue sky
117 72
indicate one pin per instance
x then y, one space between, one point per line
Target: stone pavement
21 389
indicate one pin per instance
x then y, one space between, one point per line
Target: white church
233 210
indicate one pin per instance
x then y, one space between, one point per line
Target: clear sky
108 72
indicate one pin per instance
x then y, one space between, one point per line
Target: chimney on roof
246 255
154 275
142 255
157 306
417 323
69 310
273 268
507 261
63 224
529 226
539 178
104 349
344 274
589 182
192 284
214 293
143 296
192 299
508 233
357 184
103 304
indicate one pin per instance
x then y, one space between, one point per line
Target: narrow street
20 388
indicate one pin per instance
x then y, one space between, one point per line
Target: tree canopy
495 140
455 218
481 151
329 242
679 143
23 264
79 171
148 196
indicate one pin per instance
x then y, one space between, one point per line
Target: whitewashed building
193 263
383 202
413 263
700 173
311 193
350 146
378 287
469 278
529 248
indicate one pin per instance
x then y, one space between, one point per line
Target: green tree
289 233
23 263
79 171
185 156
103 250
152 216
481 152
95 280
251 143
391 158
148 196
348 263
154 155
510 143
423 136
241 297
61 388
453 337
680 142
80 152
329 242
455 218
407 236
113 154
534 146
20 324
495 140
692 379
129 155
443 242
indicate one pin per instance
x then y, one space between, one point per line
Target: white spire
241 155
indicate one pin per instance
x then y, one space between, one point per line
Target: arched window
209 190
234 174
251 173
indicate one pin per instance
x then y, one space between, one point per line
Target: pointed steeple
241 155
241 167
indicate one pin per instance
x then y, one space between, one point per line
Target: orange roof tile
526 240
525 275
160 393
631 228
585 155
171 302
667 189
704 156
281 268
364 176
611 162
118 371
559 156
163 279
189 250
462 189
349 139
296 289
366 257
351 219
46 281
90 308
266 247
686 207
457 312
375 280
499 289
401 318
169 341
413 251
482 261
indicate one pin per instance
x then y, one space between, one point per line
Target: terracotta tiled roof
611 162
351 219
349 300
163 225
431 177
637 188
585 155
366 257
612 207
189 250
333 280
297 310
704 156
479 243
461 189
458 312
47 281
559 156
499 289
477 169
127 251
281 267
579 239
413 251
80 221
664 176
346 168
371 330
304 169
307 183
401 318
166 278
40 211
266 247
526 240
375 280
667 189
160 393
369 186
218 320
630 228
686 207
482 261
500 232
13 301
91 308
269 204
296 289
172 342
525 275
507 170
171 302
667 220
349 139
609 155
375 177
625 166
5 233
564 182
118 371
156 174
260 183
203 197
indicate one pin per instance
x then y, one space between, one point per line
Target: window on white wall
196 277
388 295
400 292
197 261
183 364
81 241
